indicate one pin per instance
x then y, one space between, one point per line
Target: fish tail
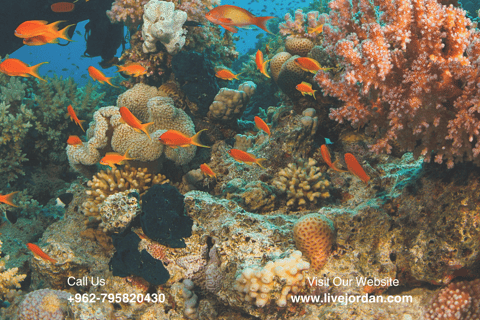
54 25
334 167
126 156
261 22
313 94
107 80
144 128
63 34
33 70
8 199
260 160
196 139
80 124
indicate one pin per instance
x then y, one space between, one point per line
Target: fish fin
225 20
230 28
126 156
80 124
108 81
33 71
63 34
260 160
144 126
334 167
54 25
8 199
196 139
261 22
313 94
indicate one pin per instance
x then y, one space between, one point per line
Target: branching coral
129 12
303 183
410 76
109 182
297 27
9 279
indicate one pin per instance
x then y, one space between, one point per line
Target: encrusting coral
257 283
118 210
313 236
44 304
9 279
303 183
229 104
106 183
161 22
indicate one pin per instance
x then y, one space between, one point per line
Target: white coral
161 22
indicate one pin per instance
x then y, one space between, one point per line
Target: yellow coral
277 62
298 46
109 182
302 182
136 98
9 279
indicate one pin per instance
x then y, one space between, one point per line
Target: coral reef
161 22
303 183
459 300
136 98
256 283
313 236
9 278
229 104
409 76
129 12
254 196
44 304
118 210
191 300
112 181
297 28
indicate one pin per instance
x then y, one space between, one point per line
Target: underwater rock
163 218
196 76
128 261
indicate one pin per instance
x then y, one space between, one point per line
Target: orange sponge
314 236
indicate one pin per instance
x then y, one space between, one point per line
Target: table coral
303 183
459 300
257 283
44 304
161 22
313 236
112 181
410 76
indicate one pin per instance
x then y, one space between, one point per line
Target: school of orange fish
39 32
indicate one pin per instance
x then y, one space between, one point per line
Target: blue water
68 61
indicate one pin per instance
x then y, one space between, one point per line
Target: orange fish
7 199
37 252
99 76
17 68
73 116
74 141
32 28
50 36
174 139
326 157
310 65
229 17
306 88
261 125
133 69
133 122
225 74
261 65
113 158
62 7
317 29
207 170
355 167
245 157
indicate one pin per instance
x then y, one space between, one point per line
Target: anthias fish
113 158
17 68
261 65
37 252
261 125
73 116
7 199
326 157
317 29
306 88
174 139
309 65
99 76
205 168
355 168
230 17
245 157
226 74
133 69
133 122
74 141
